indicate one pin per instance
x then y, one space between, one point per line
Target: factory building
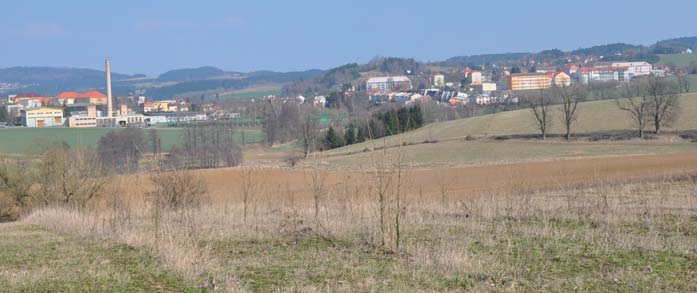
42 117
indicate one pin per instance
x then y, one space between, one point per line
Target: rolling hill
189 74
447 143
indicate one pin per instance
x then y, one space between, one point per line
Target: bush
9 211
176 189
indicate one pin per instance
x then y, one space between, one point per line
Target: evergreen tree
417 117
333 139
391 122
360 136
350 135
3 114
404 119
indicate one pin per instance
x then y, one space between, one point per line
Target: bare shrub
15 185
176 189
250 186
69 177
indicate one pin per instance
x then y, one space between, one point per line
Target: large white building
634 69
603 74
388 83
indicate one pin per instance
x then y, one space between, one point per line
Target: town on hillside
470 86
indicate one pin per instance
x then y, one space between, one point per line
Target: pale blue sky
154 36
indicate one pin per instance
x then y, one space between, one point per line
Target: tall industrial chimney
108 89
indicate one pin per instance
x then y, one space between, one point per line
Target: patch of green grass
33 259
316 264
677 59
566 262
251 94
23 140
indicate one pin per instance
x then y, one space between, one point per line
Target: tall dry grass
438 234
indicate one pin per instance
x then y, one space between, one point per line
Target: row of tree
650 102
390 122
201 146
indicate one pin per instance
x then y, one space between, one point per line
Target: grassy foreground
607 237
33 259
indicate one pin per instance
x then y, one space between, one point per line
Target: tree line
390 122
650 103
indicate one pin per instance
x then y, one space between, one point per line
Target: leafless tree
316 178
636 104
570 97
309 131
272 121
121 150
540 106
683 83
250 186
663 104
206 146
155 144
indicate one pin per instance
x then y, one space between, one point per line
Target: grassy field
451 146
462 152
23 140
253 92
677 59
33 259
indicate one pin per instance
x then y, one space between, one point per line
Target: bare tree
316 178
683 83
309 131
636 104
663 102
539 105
250 186
570 97
272 122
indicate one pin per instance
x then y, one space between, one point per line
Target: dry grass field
639 236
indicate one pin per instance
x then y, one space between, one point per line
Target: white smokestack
108 89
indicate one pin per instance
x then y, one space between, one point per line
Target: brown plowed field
459 181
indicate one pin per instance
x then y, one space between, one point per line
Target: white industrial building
388 83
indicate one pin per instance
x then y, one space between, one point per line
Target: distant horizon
328 68
157 36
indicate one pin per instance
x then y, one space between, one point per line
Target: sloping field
459 152
595 116
224 184
677 59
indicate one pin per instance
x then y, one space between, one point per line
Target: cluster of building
478 88
600 72
95 109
